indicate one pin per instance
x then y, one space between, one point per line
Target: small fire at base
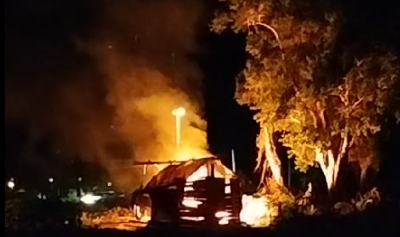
255 211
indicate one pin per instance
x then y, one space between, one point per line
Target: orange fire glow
142 216
187 153
255 211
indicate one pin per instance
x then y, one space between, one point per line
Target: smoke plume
145 52
106 91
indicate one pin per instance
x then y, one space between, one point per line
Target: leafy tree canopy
289 83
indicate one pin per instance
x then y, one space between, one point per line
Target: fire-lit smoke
145 51
105 90
144 99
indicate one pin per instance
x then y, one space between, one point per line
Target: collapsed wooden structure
201 192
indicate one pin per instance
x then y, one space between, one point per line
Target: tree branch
261 148
295 120
357 102
259 22
321 113
315 120
273 32
263 172
351 142
319 157
342 151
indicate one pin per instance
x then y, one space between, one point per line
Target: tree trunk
364 165
271 160
330 164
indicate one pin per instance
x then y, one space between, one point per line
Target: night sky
53 48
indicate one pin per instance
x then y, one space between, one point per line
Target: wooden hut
200 191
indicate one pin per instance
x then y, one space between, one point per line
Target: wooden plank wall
211 192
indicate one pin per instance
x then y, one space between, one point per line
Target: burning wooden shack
200 191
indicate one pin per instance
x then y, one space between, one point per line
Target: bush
283 205
113 215
12 213
360 203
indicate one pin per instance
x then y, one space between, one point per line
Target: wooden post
236 200
215 197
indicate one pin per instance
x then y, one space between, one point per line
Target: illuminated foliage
359 103
288 82
352 108
284 48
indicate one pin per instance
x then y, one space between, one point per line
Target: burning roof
184 170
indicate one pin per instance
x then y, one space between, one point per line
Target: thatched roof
183 170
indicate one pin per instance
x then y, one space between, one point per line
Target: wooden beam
170 162
155 162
